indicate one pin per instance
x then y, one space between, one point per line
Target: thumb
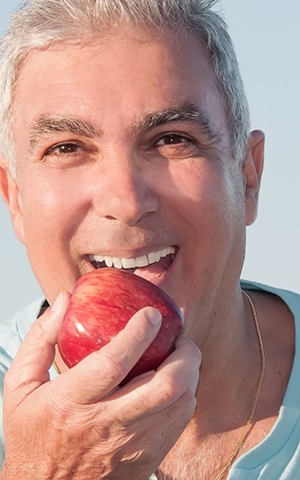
30 367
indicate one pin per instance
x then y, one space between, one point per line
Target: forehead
116 77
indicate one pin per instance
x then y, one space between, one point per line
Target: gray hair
39 23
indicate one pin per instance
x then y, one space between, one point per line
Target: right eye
64 149
70 154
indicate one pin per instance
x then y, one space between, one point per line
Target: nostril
124 196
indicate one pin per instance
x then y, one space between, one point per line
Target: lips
149 265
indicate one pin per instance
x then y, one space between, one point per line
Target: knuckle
183 410
189 398
140 335
184 407
14 379
36 336
9 380
36 330
168 388
189 352
190 347
13 391
111 368
185 418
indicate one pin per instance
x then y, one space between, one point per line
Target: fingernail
58 303
154 316
195 384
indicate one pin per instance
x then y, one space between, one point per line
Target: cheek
53 206
212 216
205 194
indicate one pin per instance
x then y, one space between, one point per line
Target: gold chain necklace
56 367
249 424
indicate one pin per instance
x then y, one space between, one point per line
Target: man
126 132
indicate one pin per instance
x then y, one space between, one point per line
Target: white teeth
108 261
142 261
128 262
133 262
117 262
96 258
153 257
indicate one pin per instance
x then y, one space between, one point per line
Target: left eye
174 146
173 139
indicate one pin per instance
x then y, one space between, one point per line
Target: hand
82 425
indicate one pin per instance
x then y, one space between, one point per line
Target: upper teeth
132 262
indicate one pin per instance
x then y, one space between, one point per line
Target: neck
230 367
230 383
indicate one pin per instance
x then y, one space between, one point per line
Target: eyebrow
188 112
45 125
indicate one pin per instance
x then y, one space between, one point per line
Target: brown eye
63 149
68 148
69 154
172 139
175 146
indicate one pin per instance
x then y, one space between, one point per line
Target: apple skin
101 304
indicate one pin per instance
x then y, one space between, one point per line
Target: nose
125 192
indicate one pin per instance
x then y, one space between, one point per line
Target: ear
9 191
252 170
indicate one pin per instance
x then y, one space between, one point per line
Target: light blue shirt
277 457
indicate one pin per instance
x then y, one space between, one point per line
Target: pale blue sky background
266 37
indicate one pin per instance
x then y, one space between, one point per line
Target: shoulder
292 299
279 311
285 302
278 455
279 316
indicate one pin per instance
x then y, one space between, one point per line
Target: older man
125 132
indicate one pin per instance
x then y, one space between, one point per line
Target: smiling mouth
150 265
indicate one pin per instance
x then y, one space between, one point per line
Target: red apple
101 304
